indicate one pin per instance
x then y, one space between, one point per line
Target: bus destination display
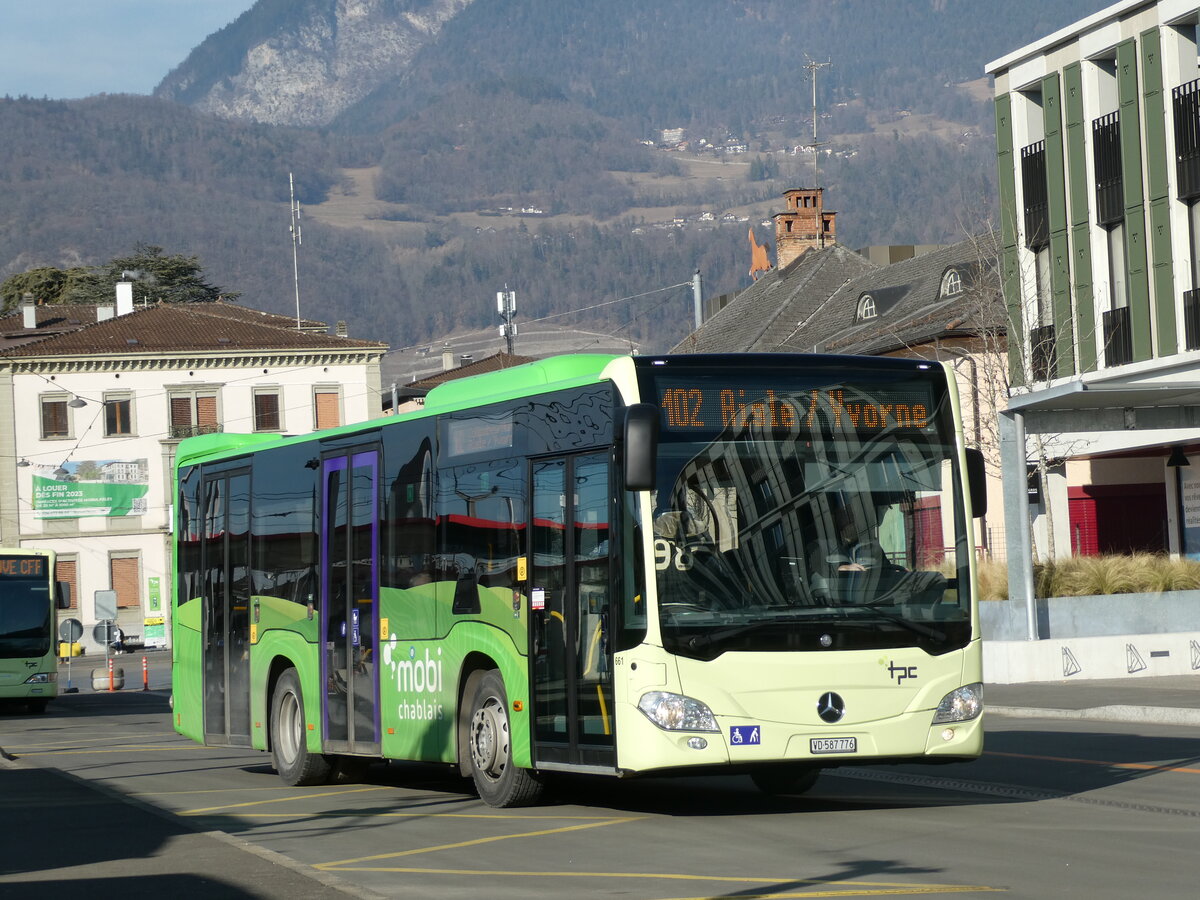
22 567
714 408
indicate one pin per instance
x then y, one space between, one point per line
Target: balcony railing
1191 319
1118 342
1043 357
1033 187
179 432
1186 102
1106 157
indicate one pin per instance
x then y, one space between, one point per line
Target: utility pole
698 298
295 208
506 306
812 66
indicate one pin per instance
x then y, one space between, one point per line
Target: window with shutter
206 412
123 572
193 412
117 419
181 412
266 411
67 570
54 419
327 409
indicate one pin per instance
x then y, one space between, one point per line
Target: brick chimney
805 225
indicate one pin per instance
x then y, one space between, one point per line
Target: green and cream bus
29 603
608 565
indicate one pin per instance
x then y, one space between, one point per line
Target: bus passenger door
350 601
569 596
225 593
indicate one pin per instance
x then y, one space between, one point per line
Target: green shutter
1006 170
1060 254
1135 217
1010 276
1163 276
1076 147
1085 322
1154 112
1154 115
1060 281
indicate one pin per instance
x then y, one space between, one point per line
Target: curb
1131 715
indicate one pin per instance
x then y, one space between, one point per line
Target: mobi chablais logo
416 678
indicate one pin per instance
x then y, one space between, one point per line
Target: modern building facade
92 408
1098 134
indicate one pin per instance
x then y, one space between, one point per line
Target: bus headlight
42 678
960 705
674 712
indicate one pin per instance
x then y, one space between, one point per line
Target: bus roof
536 377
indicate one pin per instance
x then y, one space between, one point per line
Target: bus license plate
833 745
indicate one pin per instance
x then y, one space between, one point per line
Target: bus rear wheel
785 780
293 761
488 735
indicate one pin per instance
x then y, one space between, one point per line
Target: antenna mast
295 229
812 66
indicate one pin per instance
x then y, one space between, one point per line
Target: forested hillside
523 103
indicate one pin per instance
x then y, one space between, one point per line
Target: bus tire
37 706
289 751
489 747
783 781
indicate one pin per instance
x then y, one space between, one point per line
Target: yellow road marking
338 793
228 790
126 736
474 843
415 815
1141 767
845 889
118 750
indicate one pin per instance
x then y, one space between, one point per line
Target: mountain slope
302 62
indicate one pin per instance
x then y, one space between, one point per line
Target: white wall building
91 413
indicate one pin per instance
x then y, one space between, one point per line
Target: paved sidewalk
1162 700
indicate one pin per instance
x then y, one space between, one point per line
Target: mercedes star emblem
831 707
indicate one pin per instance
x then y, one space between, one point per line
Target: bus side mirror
62 594
641 446
977 482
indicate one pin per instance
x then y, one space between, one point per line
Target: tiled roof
51 320
909 306
180 328
761 317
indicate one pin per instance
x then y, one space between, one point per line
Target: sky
66 49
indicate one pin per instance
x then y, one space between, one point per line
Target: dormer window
951 283
866 308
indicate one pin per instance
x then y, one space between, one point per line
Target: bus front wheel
488 736
289 749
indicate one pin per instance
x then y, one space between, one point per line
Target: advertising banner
91 487
1189 504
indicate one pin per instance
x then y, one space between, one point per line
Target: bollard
110 675
145 675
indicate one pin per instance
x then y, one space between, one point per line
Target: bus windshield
824 516
25 610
